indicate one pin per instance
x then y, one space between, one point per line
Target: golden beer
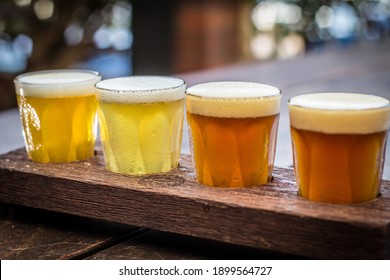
233 131
58 114
339 144
141 120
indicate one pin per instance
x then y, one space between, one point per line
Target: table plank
307 73
27 233
271 217
159 245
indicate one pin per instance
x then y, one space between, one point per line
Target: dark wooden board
271 217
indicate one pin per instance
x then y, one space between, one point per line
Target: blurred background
119 38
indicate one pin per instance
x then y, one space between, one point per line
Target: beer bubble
141 89
56 83
233 99
232 89
340 113
339 101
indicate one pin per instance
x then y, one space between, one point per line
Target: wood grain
157 245
27 233
271 217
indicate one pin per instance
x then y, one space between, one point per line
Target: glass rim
338 109
32 73
279 94
108 89
278 91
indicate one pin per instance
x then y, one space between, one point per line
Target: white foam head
141 89
57 83
340 113
233 99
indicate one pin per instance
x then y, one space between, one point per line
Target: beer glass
58 114
141 120
233 129
339 144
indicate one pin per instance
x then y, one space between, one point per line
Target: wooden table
83 232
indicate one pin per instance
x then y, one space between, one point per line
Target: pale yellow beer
141 120
58 114
339 144
233 130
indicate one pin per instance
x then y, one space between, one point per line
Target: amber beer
58 111
233 130
141 120
339 144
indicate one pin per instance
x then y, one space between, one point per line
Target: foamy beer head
58 112
340 113
339 142
57 83
233 99
233 128
141 89
141 120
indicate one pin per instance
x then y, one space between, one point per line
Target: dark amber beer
339 144
233 130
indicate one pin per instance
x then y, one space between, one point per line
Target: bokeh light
44 9
279 29
299 25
